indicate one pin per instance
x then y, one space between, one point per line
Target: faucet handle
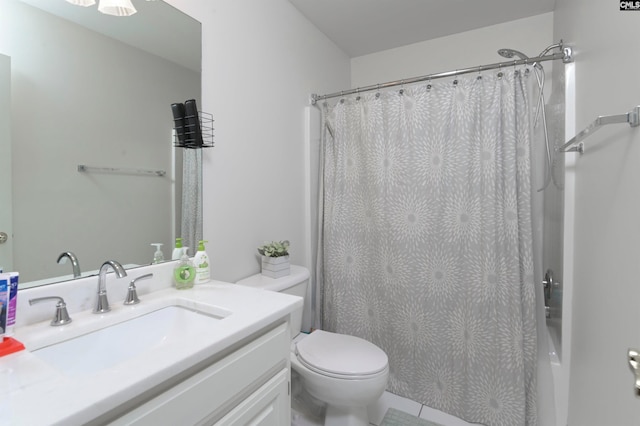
132 295
61 316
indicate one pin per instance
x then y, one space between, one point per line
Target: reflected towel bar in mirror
90 169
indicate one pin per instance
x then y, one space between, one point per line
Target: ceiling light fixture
84 3
109 7
117 7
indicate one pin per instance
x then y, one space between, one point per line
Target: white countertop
34 393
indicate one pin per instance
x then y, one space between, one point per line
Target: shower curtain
426 240
191 225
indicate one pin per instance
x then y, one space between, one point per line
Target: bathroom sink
141 336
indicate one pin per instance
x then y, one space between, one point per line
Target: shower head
510 53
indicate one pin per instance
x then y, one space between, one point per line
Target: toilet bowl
345 372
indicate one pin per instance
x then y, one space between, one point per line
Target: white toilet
345 372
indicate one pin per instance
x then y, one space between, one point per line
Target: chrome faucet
102 303
74 262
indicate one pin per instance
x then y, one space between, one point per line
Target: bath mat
395 417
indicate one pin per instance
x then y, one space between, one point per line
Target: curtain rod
566 55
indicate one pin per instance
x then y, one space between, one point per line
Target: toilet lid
339 355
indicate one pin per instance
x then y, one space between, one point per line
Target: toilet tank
295 283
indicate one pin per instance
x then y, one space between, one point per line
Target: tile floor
305 414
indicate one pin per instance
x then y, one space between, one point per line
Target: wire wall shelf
197 132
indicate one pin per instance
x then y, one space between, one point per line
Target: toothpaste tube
4 297
11 279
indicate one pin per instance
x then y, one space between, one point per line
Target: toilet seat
341 356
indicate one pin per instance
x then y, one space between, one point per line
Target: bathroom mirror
94 90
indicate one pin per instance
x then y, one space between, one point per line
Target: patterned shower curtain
191 225
426 242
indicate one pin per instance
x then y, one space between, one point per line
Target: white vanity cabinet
249 386
230 367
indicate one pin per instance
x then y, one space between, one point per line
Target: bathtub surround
427 243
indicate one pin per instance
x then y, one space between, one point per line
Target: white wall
606 288
261 61
79 97
462 50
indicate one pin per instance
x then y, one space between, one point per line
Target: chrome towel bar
576 144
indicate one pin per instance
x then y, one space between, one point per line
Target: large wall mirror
81 88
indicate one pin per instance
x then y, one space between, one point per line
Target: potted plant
275 258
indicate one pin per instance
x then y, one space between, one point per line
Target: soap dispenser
158 256
177 250
201 260
185 273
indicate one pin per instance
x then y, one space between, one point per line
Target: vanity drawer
216 390
268 406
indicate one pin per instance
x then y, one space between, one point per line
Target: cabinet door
268 406
212 392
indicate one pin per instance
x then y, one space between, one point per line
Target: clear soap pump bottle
158 256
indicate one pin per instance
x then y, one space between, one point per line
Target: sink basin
140 336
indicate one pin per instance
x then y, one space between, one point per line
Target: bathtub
560 383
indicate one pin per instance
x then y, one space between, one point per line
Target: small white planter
276 267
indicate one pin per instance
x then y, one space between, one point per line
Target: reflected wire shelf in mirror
197 132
